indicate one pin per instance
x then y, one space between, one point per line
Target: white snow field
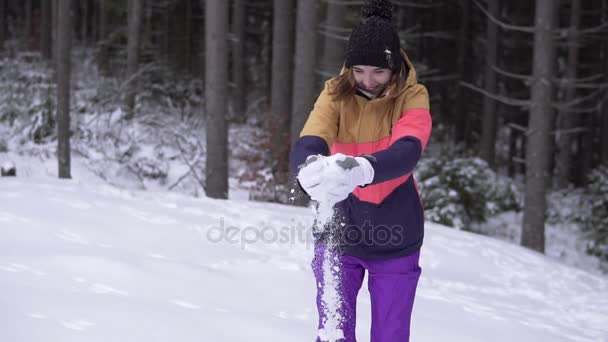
89 262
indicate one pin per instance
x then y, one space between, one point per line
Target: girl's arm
318 133
409 137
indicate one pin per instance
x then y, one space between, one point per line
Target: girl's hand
310 176
343 174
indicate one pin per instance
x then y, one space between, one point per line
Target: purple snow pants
392 286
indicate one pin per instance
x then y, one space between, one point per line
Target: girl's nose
368 82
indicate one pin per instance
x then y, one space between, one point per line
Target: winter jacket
385 218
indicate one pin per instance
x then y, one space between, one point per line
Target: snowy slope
95 263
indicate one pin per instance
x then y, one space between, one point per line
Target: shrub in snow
27 97
8 169
587 209
596 224
264 173
458 190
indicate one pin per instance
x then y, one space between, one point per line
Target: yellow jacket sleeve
324 118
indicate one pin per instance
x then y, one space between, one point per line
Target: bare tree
563 139
488 129
538 135
2 23
54 44
84 20
460 117
64 33
27 29
304 91
604 106
281 81
183 36
216 79
103 19
134 12
239 94
46 29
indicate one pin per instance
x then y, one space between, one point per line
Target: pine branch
528 29
333 35
502 99
521 77
568 105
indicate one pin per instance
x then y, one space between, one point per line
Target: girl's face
371 79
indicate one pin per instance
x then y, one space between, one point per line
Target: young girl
358 150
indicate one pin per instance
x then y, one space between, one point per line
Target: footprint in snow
148 216
78 325
12 267
105 289
11 218
76 204
36 315
69 236
184 304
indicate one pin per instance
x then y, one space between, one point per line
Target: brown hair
345 85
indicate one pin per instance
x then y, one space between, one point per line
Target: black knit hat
375 41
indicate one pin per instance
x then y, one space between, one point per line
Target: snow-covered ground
84 261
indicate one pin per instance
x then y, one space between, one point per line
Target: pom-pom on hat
375 41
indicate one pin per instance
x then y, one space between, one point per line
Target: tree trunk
216 79
27 32
134 13
55 44
188 38
45 29
334 46
488 129
64 32
278 124
304 91
537 158
182 36
239 93
460 119
84 21
2 23
103 19
604 112
164 36
103 41
563 162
